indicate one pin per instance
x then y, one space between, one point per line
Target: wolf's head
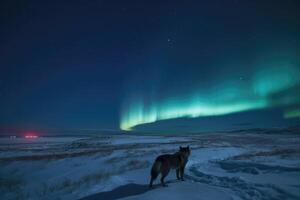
186 151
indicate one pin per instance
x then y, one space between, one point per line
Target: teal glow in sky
272 85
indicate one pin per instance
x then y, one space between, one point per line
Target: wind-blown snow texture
221 166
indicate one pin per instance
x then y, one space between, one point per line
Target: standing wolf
164 163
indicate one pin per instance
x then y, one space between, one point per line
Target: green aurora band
269 87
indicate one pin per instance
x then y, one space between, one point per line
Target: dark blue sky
76 65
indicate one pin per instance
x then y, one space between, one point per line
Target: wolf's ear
188 146
180 147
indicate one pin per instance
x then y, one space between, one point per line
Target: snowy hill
221 166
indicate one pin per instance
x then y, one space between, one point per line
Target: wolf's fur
164 163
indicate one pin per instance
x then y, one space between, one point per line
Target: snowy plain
234 166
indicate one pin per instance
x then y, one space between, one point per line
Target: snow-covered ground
221 166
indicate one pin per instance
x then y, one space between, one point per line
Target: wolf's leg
153 177
164 173
155 170
151 182
182 173
177 174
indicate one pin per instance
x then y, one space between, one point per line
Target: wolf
164 163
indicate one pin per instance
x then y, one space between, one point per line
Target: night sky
149 65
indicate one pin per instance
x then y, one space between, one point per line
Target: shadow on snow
123 191
119 192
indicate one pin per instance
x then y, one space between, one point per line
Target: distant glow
270 86
31 135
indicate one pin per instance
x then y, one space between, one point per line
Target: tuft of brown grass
276 152
135 164
56 156
10 184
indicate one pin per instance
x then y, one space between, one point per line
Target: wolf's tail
155 169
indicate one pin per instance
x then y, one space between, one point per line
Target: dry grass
135 164
93 178
276 152
10 184
57 156
85 149
71 185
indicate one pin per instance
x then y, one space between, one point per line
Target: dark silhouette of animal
164 163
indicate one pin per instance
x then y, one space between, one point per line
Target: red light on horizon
31 136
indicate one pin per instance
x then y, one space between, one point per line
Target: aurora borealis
276 85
